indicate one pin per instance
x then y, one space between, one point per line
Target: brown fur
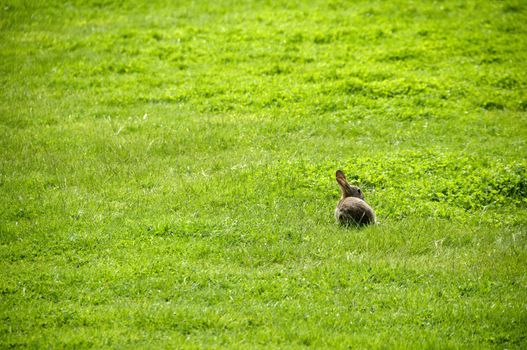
352 209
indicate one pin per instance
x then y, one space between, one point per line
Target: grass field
167 174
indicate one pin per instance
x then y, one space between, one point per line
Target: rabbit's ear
341 178
340 174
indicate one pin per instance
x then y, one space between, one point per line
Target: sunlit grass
167 174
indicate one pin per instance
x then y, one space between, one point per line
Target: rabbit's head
346 189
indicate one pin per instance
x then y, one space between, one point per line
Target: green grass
167 174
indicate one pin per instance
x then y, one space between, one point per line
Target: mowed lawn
167 174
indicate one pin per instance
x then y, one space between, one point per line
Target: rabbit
352 209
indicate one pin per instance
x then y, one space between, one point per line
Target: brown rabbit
352 209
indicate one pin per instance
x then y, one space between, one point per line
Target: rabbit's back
354 211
